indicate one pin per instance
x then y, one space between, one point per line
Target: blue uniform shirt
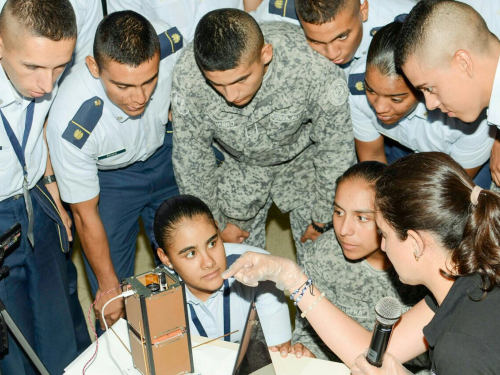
270 303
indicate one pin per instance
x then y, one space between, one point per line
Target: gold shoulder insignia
278 4
176 38
97 103
360 86
78 134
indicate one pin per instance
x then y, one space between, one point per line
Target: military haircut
381 51
226 38
51 19
438 28
127 38
318 12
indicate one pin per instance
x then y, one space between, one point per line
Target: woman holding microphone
439 230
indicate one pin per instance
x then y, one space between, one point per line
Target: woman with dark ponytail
190 245
439 230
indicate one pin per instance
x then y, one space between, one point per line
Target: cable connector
127 293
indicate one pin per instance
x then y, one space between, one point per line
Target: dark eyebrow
357 211
186 249
343 33
402 94
212 238
232 83
128 85
420 87
189 248
365 211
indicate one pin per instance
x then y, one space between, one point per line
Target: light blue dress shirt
269 301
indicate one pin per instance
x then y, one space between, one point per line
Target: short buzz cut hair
226 38
318 12
51 19
440 27
127 38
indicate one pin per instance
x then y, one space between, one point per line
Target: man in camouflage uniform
355 287
278 111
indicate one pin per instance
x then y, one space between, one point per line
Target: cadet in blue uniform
111 146
340 30
34 54
465 78
384 105
190 244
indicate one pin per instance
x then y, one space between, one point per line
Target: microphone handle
378 345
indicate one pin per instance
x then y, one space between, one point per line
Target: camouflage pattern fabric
354 287
289 144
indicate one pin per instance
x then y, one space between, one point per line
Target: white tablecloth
215 358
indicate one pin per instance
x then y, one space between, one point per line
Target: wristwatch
323 229
49 179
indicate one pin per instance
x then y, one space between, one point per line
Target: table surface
113 357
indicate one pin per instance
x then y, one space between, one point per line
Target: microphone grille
388 310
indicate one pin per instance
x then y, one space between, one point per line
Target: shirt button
119 118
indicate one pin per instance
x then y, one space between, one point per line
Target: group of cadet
249 113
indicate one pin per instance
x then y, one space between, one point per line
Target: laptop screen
253 355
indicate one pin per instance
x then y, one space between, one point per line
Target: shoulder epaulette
283 8
356 83
84 122
399 18
170 42
374 31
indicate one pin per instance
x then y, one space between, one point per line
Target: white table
217 353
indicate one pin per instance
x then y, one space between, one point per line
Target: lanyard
227 315
19 150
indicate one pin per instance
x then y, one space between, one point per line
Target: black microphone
388 312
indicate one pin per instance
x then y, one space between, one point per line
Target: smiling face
129 88
354 220
33 64
197 254
239 85
390 96
338 39
447 87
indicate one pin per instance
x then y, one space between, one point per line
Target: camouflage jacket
291 141
354 287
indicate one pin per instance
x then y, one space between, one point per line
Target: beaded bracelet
303 315
307 284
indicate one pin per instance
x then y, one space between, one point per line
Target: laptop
253 356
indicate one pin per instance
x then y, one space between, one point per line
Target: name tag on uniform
354 311
278 117
225 124
112 154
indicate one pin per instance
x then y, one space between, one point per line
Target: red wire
89 362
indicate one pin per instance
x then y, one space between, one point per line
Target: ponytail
430 192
